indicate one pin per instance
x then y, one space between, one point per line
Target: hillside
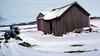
72 44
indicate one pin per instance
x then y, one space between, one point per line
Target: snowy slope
48 45
63 44
16 50
51 43
4 28
1 53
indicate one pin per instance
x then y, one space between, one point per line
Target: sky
17 11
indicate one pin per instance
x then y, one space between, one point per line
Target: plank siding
40 24
69 21
46 27
57 27
74 18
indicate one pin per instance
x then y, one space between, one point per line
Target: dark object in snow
78 30
45 33
77 45
18 38
93 26
79 51
34 45
9 33
87 30
16 30
25 44
65 19
90 29
95 49
96 31
11 27
1 38
6 41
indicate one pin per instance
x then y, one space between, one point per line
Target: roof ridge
63 6
57 12
67 5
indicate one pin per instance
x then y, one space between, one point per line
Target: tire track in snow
5 50
19 50
13 50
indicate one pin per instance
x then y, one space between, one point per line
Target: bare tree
1 18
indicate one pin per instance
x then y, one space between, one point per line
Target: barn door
50 27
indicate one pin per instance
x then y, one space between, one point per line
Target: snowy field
72 44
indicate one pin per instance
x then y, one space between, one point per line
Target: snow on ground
1 54
26 26
95 22
62 44
22 27
51 43
4 28
13 49
48 45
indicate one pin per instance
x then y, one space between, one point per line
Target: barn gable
65 19
40 20
42 14
60 11
78 6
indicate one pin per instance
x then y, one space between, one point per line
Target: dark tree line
94 17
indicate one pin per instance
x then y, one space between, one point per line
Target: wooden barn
40 20
62 20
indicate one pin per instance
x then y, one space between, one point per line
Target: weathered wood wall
40 24
57 27
74 18
69 21
46 27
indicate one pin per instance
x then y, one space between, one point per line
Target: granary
62 20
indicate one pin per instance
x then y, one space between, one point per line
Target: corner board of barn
62 20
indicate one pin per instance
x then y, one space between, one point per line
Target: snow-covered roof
56 12
45 12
